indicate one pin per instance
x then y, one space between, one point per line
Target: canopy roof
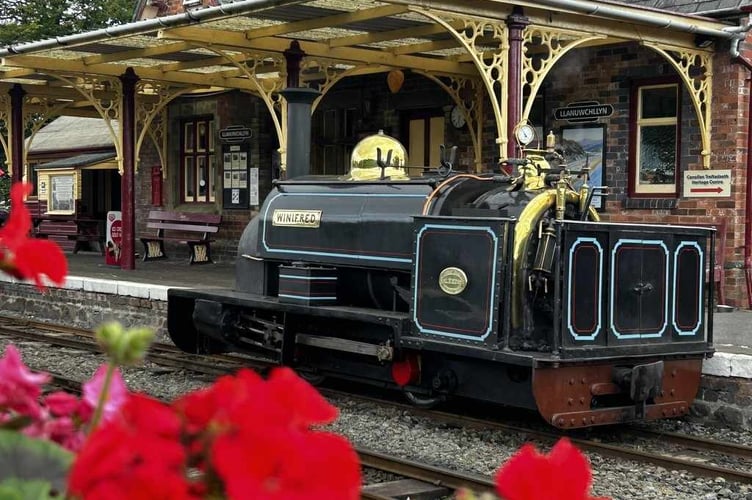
72 133
239 45
80 161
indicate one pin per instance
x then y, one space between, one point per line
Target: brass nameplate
452 280
296 218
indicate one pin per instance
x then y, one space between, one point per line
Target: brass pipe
526 224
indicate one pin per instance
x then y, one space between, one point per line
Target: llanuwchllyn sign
583 112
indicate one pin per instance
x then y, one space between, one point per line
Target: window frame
636 122
192 154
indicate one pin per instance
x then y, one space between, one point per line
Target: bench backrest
183 222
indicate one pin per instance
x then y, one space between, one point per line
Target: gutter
600 9
148 25
737 57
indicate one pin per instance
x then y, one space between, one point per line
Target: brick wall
228 108
605 75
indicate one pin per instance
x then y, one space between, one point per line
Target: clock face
457 117
525 134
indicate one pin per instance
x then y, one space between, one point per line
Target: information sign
707 183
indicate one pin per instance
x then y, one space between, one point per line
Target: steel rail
613 451
161 354
693 442
430 474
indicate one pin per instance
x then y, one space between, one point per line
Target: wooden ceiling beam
327 21
386 36
319 49
140 53
425 47
76 67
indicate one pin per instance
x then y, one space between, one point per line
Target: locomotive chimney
299 101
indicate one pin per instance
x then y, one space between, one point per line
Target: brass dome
363 161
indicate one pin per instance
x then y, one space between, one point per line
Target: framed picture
63 194
586 145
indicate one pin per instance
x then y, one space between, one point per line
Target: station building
652 95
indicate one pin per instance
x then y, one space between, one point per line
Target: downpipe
737 57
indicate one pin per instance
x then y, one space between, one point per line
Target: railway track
159 353
684 458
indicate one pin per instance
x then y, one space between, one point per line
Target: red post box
156 185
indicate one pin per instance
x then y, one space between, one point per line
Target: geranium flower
563 474
137 455
28 258
19 387
116 393
260 442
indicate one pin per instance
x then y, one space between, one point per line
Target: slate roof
700 7
78 161
72 133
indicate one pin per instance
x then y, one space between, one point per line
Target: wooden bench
71 234
193 229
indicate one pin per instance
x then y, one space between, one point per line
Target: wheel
311 376
422 401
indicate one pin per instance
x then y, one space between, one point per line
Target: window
198 168
654 145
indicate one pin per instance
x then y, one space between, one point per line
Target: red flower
563 474
244 436
259 438
274 463
24 257
137 455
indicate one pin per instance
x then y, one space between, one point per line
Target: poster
62 197
585 145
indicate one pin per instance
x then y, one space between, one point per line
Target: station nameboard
707 183
235 133
583 112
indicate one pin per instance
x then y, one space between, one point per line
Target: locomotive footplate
587 395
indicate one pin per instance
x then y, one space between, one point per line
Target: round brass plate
452 280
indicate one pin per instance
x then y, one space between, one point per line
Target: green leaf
14 489
33 460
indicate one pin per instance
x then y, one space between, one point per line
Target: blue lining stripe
612 292
600 289
492 298
332 254
700 280
289 276
303 297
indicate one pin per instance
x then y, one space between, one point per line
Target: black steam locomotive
495 287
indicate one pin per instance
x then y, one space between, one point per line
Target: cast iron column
293 56
299 101
17 94
516 23
127 191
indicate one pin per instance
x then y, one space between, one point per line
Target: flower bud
124 347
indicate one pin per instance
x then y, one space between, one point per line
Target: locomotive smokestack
299 101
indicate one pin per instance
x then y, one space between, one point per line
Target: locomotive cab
492 286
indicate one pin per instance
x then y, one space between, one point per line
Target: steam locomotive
494 287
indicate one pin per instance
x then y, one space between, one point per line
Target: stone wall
724 400
82 308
